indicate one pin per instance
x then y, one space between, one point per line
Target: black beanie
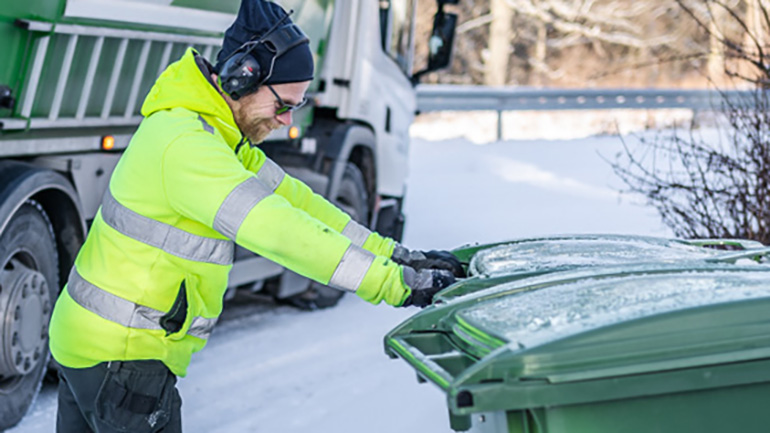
254 19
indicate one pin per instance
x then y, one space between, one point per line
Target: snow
480 127
275 369
460 192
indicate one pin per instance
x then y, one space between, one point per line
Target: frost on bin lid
537 255
535 318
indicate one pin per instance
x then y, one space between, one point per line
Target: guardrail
501 99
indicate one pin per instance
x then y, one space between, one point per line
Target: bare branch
474 23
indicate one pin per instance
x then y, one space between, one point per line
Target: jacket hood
183 85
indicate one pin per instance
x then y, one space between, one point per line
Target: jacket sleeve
302 197
205 182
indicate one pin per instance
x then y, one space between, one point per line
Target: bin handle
746 244
424 364
753 254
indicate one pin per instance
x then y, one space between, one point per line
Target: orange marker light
108 142
293 132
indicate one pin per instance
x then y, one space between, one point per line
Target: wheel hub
25 308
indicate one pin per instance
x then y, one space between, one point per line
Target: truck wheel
29 285
352 197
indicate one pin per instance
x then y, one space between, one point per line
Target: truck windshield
397 21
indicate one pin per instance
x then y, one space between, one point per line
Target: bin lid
580 251
525 258
540 341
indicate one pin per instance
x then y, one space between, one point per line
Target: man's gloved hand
425 284
420 260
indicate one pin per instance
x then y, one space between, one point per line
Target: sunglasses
284 107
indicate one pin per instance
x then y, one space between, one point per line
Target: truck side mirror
440 42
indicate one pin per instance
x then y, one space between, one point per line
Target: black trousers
119 397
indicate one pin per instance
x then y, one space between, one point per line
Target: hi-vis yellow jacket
150 278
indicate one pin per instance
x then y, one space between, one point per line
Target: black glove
425 284
420 260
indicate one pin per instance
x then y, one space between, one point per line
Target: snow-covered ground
275 369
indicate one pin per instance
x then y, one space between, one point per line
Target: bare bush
708 186
715 187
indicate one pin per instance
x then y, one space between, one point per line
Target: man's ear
215 80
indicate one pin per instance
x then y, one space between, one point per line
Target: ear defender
240 75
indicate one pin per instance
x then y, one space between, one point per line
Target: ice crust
554 253
537 317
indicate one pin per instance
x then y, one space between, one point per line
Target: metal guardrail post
499 125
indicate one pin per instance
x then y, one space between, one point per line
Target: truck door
397 23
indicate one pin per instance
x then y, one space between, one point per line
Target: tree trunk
541 50
500 35
716 58
757 34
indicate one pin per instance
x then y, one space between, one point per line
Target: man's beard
255 128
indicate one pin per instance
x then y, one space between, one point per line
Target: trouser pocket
136 396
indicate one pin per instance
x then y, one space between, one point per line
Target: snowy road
274 369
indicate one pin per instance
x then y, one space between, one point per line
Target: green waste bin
630 348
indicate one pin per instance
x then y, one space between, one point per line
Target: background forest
597 43
702 187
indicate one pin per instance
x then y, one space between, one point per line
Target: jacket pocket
174 320
136 396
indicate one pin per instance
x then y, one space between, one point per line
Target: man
147 286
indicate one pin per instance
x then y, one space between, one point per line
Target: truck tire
29 285
353 198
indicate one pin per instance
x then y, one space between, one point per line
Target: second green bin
640 348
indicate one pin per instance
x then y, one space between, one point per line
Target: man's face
257 114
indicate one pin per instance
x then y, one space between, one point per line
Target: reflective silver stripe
352 269
112 307
270 174
357 233
124 312
208 128
245 196
237 206
166 237
201 327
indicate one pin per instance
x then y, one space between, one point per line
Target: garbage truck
73 76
